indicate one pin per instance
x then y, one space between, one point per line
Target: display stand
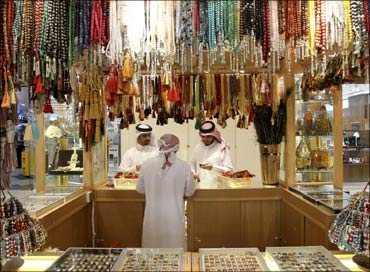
20 233
350 229
12 265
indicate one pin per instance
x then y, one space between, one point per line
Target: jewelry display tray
74 257
297 263
147 255
232 251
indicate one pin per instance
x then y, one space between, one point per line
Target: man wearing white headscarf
210 157
144 149
165 180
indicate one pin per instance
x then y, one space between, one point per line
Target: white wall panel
243 144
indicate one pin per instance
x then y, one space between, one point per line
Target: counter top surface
42 262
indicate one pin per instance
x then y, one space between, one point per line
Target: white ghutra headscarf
144 128
168 144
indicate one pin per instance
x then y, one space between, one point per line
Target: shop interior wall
243 142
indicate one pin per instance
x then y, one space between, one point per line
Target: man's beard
208 143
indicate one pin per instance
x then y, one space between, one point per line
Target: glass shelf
314 140
314 134
314 170
355 147
65 173
323 100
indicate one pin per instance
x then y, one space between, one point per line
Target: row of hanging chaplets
42 38
189 96
90 92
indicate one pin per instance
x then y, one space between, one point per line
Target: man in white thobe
144 149
210 157
165 180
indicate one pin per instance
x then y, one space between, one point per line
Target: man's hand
207 166
196 177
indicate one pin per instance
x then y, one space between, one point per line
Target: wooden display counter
248 217
216 218
68 225
304 223
119 217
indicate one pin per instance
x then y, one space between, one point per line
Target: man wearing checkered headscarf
165 180
144 149
210 157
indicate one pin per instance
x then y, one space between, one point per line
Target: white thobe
136 156
164 218
211 154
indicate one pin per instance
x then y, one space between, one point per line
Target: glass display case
356 155
63 148
314 141
326 195
40 203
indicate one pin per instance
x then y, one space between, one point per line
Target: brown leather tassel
81 91
97 131
87 107
94 106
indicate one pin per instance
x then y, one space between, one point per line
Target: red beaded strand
281 16
297 22
266 41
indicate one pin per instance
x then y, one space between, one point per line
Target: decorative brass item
303 155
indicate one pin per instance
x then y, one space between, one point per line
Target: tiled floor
20 182
353 187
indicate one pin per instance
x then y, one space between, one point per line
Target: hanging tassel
239 123
10 163
81 92
128 69
5 104
97 131
3 115
47 107
87 107
28 131
13 97
39 89
35 130
147 111
246 122
197 123
5 180
2 150
141 115
120 86
94 107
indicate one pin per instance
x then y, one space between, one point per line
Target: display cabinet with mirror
314 131
63 149
356 155
314 141
58 162
356 134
